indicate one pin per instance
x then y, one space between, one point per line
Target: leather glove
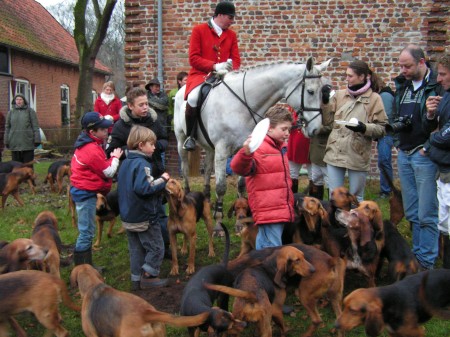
223 67
326 90
361 127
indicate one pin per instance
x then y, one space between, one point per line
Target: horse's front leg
221 188
209 165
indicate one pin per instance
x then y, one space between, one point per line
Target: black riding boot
191 126
446 249
294 185
82 257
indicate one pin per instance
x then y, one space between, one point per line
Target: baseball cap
93 120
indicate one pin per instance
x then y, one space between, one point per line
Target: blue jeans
86 224
146 251
418 181
269 236
356 179
384 147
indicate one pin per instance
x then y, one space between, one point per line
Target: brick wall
374 31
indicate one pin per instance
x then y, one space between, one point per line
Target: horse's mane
262 66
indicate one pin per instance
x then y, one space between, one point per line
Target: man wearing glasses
212 44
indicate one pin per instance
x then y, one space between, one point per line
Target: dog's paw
174 271
190 270
211 253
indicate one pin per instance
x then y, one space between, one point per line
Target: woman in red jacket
108 103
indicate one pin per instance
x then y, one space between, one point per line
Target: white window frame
67 103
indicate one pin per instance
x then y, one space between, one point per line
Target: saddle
205 88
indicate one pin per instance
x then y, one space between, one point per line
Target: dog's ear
374 320
377 222
282 265
231 210
74 279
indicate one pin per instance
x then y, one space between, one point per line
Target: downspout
160 46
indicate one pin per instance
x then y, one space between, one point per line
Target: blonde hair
278 114
140 134
109 84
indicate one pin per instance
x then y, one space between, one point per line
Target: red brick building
39 59
374 31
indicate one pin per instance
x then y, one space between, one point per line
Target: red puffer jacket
268 182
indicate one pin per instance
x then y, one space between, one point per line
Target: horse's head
306 97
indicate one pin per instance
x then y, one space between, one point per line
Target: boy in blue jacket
138 198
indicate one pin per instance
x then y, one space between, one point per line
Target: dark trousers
22 156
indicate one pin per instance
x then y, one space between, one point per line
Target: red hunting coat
206 49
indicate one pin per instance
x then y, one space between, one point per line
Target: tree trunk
84 95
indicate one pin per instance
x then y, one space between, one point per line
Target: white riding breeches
192 98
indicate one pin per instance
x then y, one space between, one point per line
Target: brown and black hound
109 312
241 210
9 183
260 290
36 292
107 209
18 254
184 212
327 280
398 307
10 166
56 173
365 240
46 235
402 261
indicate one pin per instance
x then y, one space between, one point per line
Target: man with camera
417 172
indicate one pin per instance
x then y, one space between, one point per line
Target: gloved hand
326 90
223 67
361 127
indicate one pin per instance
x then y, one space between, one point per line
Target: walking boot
446 251
191 126
82 257
148 281
294 185
316 191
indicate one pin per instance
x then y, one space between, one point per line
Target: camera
403 123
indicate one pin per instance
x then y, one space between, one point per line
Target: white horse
232 109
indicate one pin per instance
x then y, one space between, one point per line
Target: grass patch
17 221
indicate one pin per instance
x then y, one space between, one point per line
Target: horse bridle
302 121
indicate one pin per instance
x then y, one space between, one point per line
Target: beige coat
349 149
318 142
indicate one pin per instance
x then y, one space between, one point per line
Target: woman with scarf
350 142
108 104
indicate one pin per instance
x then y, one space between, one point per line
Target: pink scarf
360 91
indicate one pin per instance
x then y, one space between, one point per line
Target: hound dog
36 292
398 307
17 255
184 212
106 311
46 235
327 280
10 166
9 183
260 290
434 293
107 209
402 261
364 251
397 212
241 209
56 173
197 299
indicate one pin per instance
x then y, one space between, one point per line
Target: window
4 60
65 105
23 87
94 97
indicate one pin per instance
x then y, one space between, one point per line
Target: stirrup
189 144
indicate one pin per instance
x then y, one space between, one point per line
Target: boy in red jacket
267 179
92 173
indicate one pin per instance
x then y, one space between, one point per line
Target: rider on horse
211 45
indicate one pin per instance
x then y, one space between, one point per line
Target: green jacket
22 128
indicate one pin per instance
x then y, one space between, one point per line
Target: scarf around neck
107 98
359 91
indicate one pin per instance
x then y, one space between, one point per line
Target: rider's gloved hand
326 90
223 67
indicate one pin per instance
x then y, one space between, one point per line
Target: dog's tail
429 307
226 253
153 316
249 296
66 298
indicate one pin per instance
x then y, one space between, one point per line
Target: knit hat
226 8
93 120
152 81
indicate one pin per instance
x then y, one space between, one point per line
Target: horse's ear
324 65
310 64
